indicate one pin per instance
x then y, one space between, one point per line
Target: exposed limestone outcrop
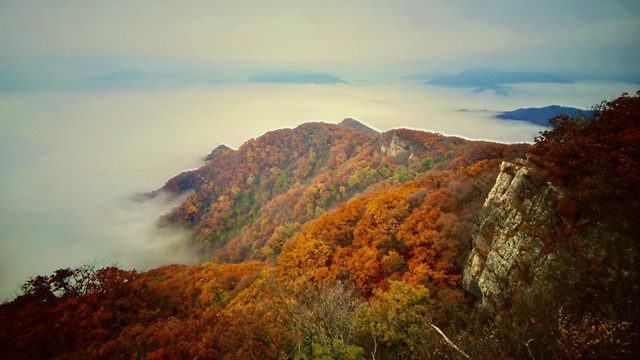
507 254
548 279
391 144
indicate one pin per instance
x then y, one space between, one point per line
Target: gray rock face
507 255
391 144
537 274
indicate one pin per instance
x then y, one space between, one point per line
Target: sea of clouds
71 163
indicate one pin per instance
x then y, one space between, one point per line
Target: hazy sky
222 40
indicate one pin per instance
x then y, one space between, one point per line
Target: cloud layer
72 161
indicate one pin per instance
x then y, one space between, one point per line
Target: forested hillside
246 203
336 242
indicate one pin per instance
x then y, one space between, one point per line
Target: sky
63 42
101 101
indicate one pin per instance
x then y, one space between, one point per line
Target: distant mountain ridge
490 79
541 116
295 77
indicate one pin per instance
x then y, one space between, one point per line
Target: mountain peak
217 151
357 125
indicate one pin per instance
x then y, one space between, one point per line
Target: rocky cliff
393 144
529 264
507 253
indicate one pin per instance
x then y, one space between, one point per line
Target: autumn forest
334 241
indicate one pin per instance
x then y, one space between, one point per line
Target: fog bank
71 162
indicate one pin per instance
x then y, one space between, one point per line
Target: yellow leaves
418 274
280 235
191 209
304 256
398 317
387 235
189 206
316 195
217 283
476 168
244 301
362 174
211 292
250 179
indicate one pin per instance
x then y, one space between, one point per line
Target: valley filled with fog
72 163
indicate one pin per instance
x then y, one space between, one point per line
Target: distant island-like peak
295 77
491 79
541 116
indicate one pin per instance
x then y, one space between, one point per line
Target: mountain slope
291 176
450 253
554 257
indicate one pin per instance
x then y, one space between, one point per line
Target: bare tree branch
450 342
